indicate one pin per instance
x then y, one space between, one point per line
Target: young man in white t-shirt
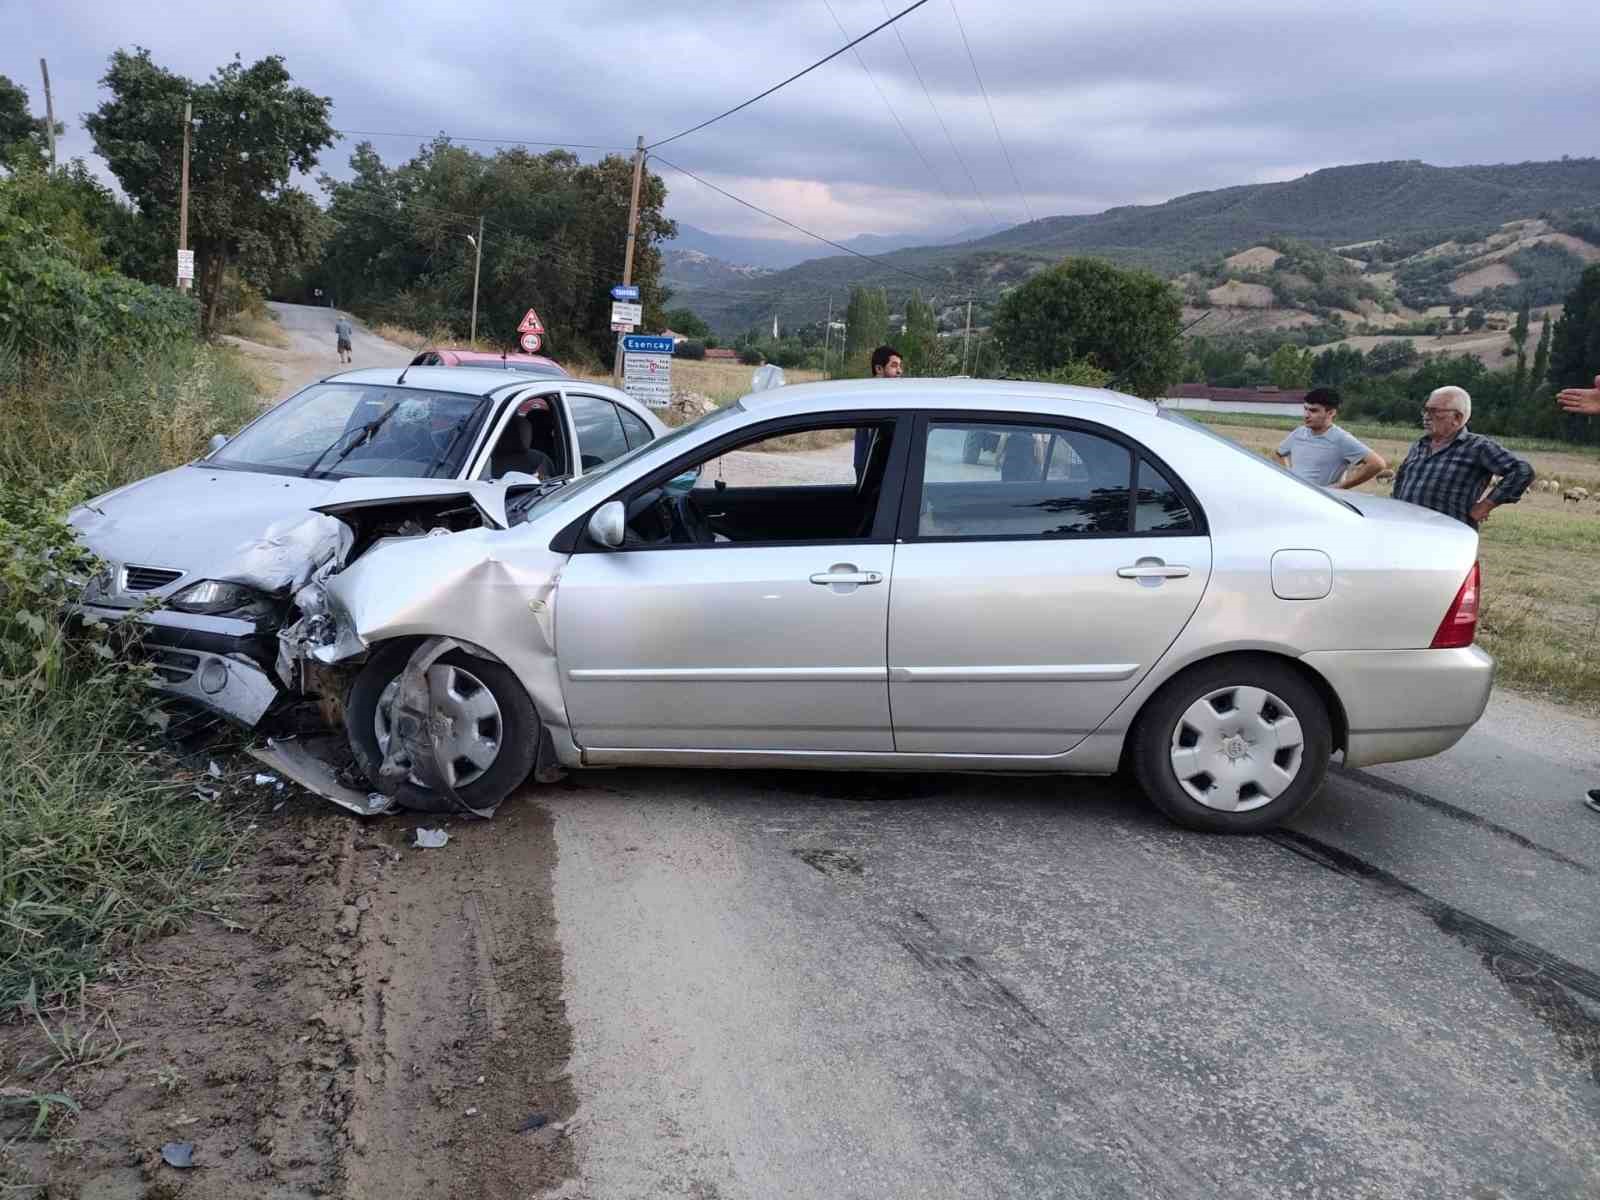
1321 453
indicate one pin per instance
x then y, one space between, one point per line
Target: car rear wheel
1239 745
491 730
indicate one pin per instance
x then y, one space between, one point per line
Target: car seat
515 452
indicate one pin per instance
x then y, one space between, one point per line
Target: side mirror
218 441
607 522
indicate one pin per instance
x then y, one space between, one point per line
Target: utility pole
627 256
49 112
183 195
967 341
477 264
827 333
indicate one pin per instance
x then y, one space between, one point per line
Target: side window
600 436
998 480
1161 507
635 430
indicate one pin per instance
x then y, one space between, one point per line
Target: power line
975 191
1021 195
797 228
775 87
882 96
451 137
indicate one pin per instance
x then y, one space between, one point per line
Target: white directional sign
647 370
623 313
186 265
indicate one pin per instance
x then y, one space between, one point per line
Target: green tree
684 321
22 135
1475 319
866 322
1291 367
1541 356
1575 347
919 344
1519 339
1125 322
1338 366
253 129
1394 355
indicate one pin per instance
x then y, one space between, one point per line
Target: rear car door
598 432
1044 566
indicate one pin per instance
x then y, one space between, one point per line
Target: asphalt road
797 985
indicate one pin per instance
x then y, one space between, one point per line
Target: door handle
830 577
1145 570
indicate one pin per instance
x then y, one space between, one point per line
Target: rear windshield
1169 414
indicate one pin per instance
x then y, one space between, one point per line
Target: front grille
174 665
147 579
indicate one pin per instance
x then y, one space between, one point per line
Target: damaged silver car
827 576
207 558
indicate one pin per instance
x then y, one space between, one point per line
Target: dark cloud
1100 105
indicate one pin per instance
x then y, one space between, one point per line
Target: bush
751 357
690 348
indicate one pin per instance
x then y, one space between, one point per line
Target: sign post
647 369
531 330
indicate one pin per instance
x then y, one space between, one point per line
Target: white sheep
1577 495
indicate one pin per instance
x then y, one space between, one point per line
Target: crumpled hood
241 526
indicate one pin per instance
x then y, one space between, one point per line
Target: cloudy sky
1098 104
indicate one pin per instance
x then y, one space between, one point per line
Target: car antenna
402 378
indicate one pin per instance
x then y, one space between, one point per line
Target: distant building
677 338
1200 397
721 354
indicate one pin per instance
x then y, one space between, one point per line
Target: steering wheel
692 521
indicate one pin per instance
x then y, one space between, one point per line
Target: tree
1390 356
1475 319
1125 322
684 321
1291 367
866 321
1519 339
22 135
252 131
1575 347
1541 356
919 344
1338 366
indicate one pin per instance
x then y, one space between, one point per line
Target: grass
103 837
259 326
1541 596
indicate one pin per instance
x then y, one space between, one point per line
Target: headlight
215 598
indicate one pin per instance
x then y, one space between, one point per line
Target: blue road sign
625 291
640 343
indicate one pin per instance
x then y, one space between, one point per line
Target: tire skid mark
1456 813
1543 982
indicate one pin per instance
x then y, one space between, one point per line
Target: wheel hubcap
468 714
1237 749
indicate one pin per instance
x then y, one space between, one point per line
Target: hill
1405 206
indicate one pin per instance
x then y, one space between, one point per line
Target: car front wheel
490 729
1239 745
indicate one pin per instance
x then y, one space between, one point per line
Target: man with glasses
1449 469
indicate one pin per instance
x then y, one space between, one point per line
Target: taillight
1460 624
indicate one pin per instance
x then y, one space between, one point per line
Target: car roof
908 392
491 356
444 379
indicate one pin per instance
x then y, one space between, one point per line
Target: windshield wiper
367 432
455 435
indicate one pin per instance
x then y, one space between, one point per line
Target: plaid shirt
1452 480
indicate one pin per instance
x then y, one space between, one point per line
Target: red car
530 364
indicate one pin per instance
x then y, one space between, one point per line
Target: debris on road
178 1154
534 1121
310 764
265 780
431 839
213 770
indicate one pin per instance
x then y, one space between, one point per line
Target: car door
598 433
746 611
1044 567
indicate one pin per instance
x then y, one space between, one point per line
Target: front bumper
212 661
1402 704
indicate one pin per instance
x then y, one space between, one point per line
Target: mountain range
1331 207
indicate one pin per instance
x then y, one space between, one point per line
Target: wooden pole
49 111
477 264
183 194
627 255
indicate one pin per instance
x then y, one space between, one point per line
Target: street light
477 263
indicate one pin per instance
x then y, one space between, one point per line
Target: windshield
1168 414
421 433
597 475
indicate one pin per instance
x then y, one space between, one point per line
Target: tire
514 723
972 447
1247 731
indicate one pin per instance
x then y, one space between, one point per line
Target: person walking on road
1587 402
343 331
1449 469
1321 453
886 364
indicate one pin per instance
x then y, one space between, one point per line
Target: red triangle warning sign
530 323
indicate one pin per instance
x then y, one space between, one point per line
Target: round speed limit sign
530 342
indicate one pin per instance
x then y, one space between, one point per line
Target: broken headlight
218 599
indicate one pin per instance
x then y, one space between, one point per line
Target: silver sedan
913 575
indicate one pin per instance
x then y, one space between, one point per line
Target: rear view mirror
606 524
218 441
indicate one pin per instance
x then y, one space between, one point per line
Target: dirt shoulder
361 1018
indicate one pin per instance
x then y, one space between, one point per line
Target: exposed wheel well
1336 714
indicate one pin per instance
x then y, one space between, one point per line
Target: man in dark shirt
1448 468
885 365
